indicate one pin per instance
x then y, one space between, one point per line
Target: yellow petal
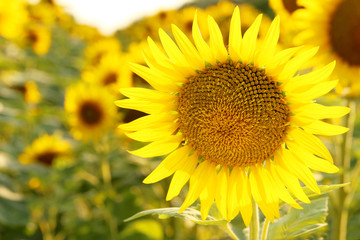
181 176
233 202
188 49
159 148
311 143
235 36
222 192
248 44
197 183
326 129
158 55
244 195
216 40
200 44
267 51
298 168
149 121
208 194
169 165
310 160
314 92
153 134
147 94
319 111
291 182
279 187
311 78
262 193
174 53
280 58
155 78
294 64
145 106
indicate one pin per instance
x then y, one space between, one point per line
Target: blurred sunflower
334 25
45 150
32 94
237 121
13 17
110 73
91 109
100 47
285 9
38 37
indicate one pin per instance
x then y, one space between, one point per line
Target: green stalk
265 229
102 149
254 223
340 219
231 233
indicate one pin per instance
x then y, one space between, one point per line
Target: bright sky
110 15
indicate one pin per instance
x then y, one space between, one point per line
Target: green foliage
301 223
190 214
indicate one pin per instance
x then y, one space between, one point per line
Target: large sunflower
236 121
45 150
334 25
91 110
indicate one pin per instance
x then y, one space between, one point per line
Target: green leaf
301 223
13 213
190 214
323 189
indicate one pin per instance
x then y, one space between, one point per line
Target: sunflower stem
102 148
344 194
265 229
231 233
254 223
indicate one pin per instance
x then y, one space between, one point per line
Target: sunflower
110 73
45 150
38 37
91 109
100 47
237 122
334 25
32 94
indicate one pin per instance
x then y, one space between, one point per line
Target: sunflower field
219 120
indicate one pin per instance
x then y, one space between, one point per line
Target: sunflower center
90 113
344 31
47 157
291 5
233 114
33 37
110 78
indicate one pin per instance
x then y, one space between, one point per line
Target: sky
110 15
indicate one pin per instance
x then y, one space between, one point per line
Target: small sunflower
100 47
334 25
38 37
110 73
91 109
45 150
32 94
237 122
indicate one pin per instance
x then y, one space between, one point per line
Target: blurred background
64 169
